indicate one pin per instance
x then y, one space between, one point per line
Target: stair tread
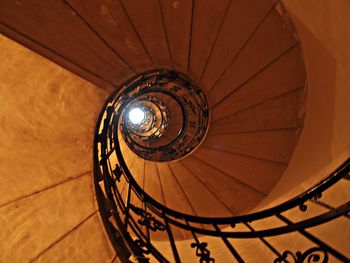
243 17
202 200
175 198
277 146
237 197
258 174
269 42
284 75
278 113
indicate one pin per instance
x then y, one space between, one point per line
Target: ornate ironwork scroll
315 254
125 224
202 252
147 219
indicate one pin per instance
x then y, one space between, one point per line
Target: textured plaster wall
47 206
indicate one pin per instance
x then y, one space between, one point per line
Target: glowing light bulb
136 115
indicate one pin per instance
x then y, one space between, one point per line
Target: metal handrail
155 216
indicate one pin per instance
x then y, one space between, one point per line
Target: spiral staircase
178 142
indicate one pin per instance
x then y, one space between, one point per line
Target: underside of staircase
61 61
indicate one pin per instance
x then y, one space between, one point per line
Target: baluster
265 242
110 137
148 235
171 239
110 172
201 248
127 207
323 246
229 245
109 153
323 204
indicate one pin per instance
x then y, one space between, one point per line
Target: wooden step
275 146
241 21
278 113
174 195
203 201
271 41
283 76
54 25
257 174
152 182
138 171
234 195
107 18
177 17
152 33
206 25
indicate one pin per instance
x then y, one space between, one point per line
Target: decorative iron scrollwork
315 254
303 207
161 90
142 246
155 216
315 198
175 89
192 124
202 252
190 104
147 219
117 172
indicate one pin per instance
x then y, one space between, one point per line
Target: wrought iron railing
135 222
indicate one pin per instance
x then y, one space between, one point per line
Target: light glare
136 115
